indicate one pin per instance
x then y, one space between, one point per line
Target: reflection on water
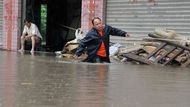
7 79
41 80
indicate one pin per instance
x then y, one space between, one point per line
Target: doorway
56 20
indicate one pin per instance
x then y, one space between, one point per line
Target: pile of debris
70 47
163 47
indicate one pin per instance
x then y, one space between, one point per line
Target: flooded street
42 80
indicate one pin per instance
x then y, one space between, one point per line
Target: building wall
11 24
142 17
1 21
90 9
12 20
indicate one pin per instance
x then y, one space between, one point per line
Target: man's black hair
27 20
94 19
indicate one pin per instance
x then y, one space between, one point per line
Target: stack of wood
164 48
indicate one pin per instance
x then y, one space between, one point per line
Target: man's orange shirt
102 51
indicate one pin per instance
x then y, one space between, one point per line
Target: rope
71 28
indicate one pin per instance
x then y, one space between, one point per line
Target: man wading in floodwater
96 42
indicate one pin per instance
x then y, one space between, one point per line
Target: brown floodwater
43 80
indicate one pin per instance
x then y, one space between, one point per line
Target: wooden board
137 58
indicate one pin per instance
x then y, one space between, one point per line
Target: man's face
98 25
28 24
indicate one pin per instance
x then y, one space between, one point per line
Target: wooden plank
174 56
186 63
165 54
156 50
155 36
137 58
168 42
